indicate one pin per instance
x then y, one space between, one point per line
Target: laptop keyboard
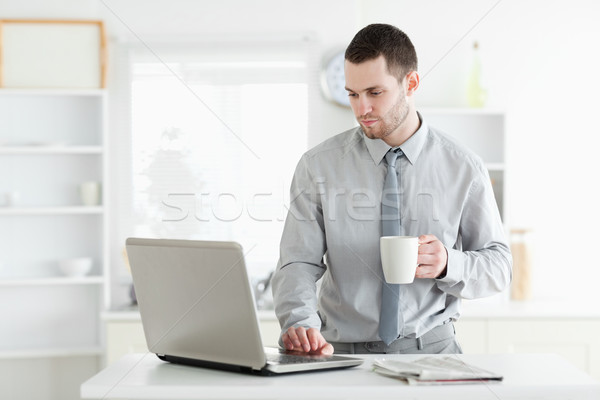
293 359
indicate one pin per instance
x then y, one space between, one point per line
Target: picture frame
52 54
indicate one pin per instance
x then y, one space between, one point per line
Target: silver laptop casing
195 300
197 306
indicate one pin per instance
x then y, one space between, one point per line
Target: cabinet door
472 335
124 338
574 339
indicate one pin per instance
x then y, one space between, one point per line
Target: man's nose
364 106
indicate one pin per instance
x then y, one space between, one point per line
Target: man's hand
433 258
307 341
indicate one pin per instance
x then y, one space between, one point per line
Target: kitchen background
194 86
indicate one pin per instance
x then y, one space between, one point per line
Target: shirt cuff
453 267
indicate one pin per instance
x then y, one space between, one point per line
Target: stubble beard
390 121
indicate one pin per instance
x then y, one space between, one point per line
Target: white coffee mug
90 193
399 258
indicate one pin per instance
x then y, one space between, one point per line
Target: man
335 220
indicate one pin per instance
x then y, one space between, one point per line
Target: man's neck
405 131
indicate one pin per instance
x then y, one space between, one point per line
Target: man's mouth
369 122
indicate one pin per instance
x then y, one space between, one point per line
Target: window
217 131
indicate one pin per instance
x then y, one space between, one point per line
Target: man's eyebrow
365 90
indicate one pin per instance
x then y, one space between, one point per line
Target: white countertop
143 376
478 309
470 310
132 314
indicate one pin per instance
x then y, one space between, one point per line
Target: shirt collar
411 148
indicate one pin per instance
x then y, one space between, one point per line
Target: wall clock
333 82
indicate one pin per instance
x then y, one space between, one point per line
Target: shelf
529 310
53 92
51 142
52 281
459 111
49 150
65 210
51 352
495 166
132 314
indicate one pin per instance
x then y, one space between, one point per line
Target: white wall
541 67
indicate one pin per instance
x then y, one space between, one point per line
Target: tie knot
391 157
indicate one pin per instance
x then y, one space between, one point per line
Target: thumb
327 349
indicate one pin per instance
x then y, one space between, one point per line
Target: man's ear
412 82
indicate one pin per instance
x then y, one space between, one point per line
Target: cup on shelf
75 267
90 193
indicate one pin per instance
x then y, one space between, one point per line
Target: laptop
197 308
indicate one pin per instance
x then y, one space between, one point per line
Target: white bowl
75 267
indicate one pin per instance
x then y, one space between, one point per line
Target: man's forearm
295 294
476 274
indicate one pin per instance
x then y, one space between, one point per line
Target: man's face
377 98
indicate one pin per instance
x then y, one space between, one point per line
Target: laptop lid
195 301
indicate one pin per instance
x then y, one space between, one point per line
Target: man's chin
370 134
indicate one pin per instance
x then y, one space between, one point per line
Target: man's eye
376 93
350 94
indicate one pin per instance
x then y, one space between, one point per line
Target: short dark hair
387 40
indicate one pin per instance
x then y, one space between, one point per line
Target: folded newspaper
434 371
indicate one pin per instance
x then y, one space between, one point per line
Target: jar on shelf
521 248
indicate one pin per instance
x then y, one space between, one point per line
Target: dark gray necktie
390 220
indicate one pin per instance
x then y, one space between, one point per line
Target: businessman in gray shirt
334 221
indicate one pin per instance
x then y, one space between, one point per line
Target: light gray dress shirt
333 227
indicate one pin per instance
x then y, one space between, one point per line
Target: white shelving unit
51 210
49 149
60 352
51 141
483 131
58 281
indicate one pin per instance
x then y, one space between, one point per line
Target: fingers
318 344
288 341
326 350
314 338
432 259
430 247
423 239
307 341
296 339
426 271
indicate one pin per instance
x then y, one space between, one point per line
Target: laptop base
192 362
245 370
